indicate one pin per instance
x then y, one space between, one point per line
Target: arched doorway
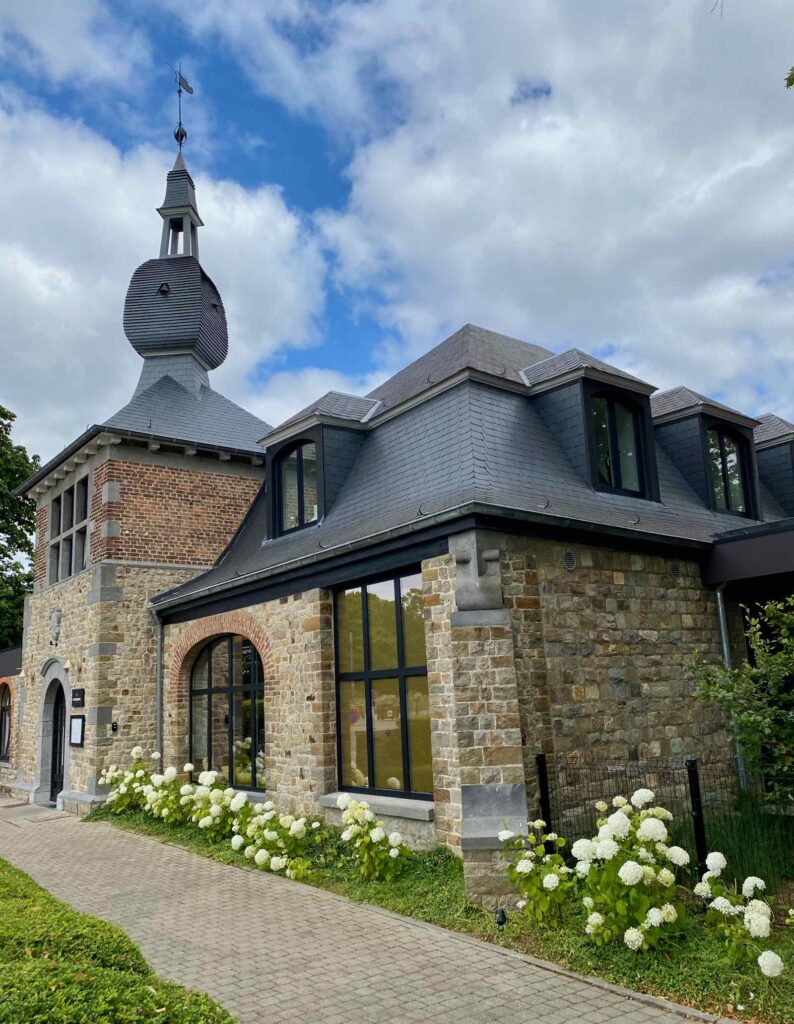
58 743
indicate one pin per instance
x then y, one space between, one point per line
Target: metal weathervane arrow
182 84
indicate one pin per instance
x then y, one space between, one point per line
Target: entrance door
58 736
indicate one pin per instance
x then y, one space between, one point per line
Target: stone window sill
389 806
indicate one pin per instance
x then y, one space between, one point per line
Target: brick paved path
276 951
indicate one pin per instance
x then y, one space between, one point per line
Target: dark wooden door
58 737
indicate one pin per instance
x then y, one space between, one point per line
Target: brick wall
7 769
178 516
40 556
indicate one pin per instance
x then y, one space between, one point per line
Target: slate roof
179 188
682 399
168 410
471 347
472 445
570 361
773 428
337 404
10 662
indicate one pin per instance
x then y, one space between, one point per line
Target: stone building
499 551
10 664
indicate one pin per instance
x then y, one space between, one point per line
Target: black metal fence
746 811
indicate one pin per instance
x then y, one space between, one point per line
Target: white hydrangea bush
127 786
538 870
628 874
744 919
380 856
274 841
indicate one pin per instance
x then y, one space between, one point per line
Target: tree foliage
17 524
758 695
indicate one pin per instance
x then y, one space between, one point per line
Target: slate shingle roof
470 444
574 359
470 347
682 399
772 428
336 404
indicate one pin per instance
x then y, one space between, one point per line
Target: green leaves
17 525
790 79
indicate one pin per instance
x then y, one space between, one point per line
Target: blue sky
375 173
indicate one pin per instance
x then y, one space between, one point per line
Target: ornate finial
180 134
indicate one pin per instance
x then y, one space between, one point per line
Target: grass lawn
61 967
431 889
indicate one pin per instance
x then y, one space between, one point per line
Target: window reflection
298 487
726 469
617 445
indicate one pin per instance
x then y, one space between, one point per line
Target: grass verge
693 972
61 967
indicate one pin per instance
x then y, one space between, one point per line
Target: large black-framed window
617 440
728 470
68 522
298 500
5 722
227 712
383 710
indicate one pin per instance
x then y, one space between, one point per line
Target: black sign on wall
78 698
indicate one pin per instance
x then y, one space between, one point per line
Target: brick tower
134 506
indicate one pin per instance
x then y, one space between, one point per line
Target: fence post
543 789
701 845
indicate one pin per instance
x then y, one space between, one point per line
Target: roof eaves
62 456
617 380
706 408
298 427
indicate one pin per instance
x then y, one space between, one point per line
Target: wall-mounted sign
76 730
78 698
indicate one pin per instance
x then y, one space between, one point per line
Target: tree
17 525
758 696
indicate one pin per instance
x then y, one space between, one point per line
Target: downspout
158 689
725 645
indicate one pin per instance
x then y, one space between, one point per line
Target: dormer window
298 504
728 470
617 443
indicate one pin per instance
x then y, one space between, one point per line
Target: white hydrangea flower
678 856
249 851
524 866
716 863
538 824
394 852
205 822
594 922
521 904
652 830
348 834
551 836
188 767
186 790
316 824
238 802
770 963
703 889
606 849
504 835
587 902
261 857
646 855
156 755
395 839
630 873
277 863
237 842
618 824
654 918
136 753
216 811
669 913
157 780
666 877
723 906
758 926
601 806
641 797
298 828
633 938
122 788
377 834
140 773
760 908
582 868
584 849
750 884
170 773
619 801
550 881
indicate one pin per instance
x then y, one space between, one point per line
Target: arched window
727 468
617 438
297 487
227 712
5 722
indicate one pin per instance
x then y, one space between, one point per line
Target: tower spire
180 214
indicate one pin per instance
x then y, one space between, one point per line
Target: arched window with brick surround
227 712
5 722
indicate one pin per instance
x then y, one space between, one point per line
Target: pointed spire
179 212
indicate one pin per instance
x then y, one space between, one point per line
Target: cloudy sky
375 173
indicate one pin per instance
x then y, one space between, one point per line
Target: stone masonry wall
165 514
294 637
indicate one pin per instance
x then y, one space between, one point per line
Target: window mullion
614 452
301 510
398 611
368 689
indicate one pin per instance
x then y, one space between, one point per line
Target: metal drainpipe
722 619
158 698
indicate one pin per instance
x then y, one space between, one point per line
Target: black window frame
5 723
367 675
257 684
73 537
744 451
283 455
640 407
611 400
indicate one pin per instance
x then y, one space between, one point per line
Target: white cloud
77 218
81 41
284 392
639 211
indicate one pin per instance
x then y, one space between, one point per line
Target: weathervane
181 83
